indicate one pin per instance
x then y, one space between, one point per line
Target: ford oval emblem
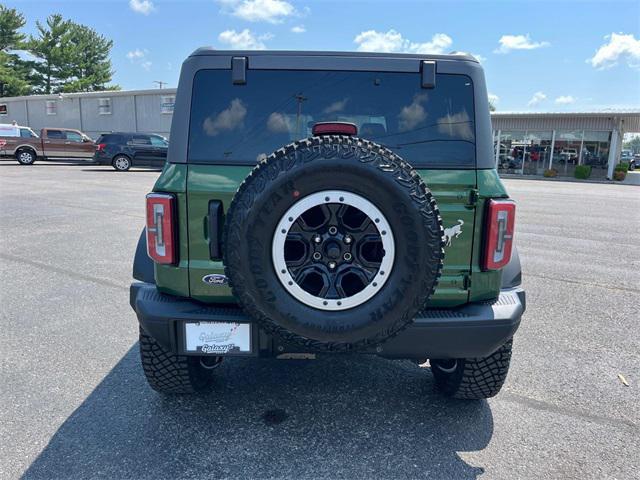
215 279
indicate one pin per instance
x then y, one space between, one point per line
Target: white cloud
518 42
272 11
135 54
413 114
619 47
457 125
565 100
536 99
392 41
228 119
244 40
298 29
278 123
494 99
337 106
139 57
144 7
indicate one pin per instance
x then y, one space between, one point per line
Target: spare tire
333 242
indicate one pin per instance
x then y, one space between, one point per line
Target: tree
89 66
14 72
71 57
11 21
633 144
51 46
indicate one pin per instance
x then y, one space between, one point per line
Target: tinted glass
56 134
243 123
25 133
140 140
74 137
158 141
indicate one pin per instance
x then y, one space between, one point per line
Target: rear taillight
100 147
161 224
498 234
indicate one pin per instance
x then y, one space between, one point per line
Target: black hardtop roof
210 51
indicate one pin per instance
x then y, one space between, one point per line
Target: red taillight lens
100 147
498 238
161 237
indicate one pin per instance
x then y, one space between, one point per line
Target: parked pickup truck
26 146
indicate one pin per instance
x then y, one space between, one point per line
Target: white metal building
147 111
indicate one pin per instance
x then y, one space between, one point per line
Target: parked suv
123 150
329 203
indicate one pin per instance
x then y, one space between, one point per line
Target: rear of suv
123 150
327 203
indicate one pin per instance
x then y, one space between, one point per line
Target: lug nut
333 230
317 239
317 256
347 256
332 265
348 239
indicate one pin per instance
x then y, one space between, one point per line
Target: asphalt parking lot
74 403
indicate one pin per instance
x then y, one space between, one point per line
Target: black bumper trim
472 330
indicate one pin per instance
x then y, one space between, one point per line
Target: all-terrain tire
333 162
473 378
170 373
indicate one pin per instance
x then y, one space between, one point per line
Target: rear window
241 124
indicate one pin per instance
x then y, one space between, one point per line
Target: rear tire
170 373
473 378
121 163
25 157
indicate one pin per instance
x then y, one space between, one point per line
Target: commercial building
145 111
530 143
525 143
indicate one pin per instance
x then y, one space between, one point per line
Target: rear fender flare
512 273
142 264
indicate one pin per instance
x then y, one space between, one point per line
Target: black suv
123 150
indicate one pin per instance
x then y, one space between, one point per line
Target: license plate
218 338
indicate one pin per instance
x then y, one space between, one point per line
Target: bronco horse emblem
452 232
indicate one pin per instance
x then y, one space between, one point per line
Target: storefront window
595 152
566 151
511 151
525 153
537 152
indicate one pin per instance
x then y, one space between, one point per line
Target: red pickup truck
26 146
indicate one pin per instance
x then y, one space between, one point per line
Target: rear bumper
473 330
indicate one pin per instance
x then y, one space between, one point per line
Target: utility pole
160 83
300 98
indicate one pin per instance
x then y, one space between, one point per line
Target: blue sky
538 56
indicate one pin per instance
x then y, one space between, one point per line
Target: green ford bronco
317 203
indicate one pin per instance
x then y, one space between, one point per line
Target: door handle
47 141
67 143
